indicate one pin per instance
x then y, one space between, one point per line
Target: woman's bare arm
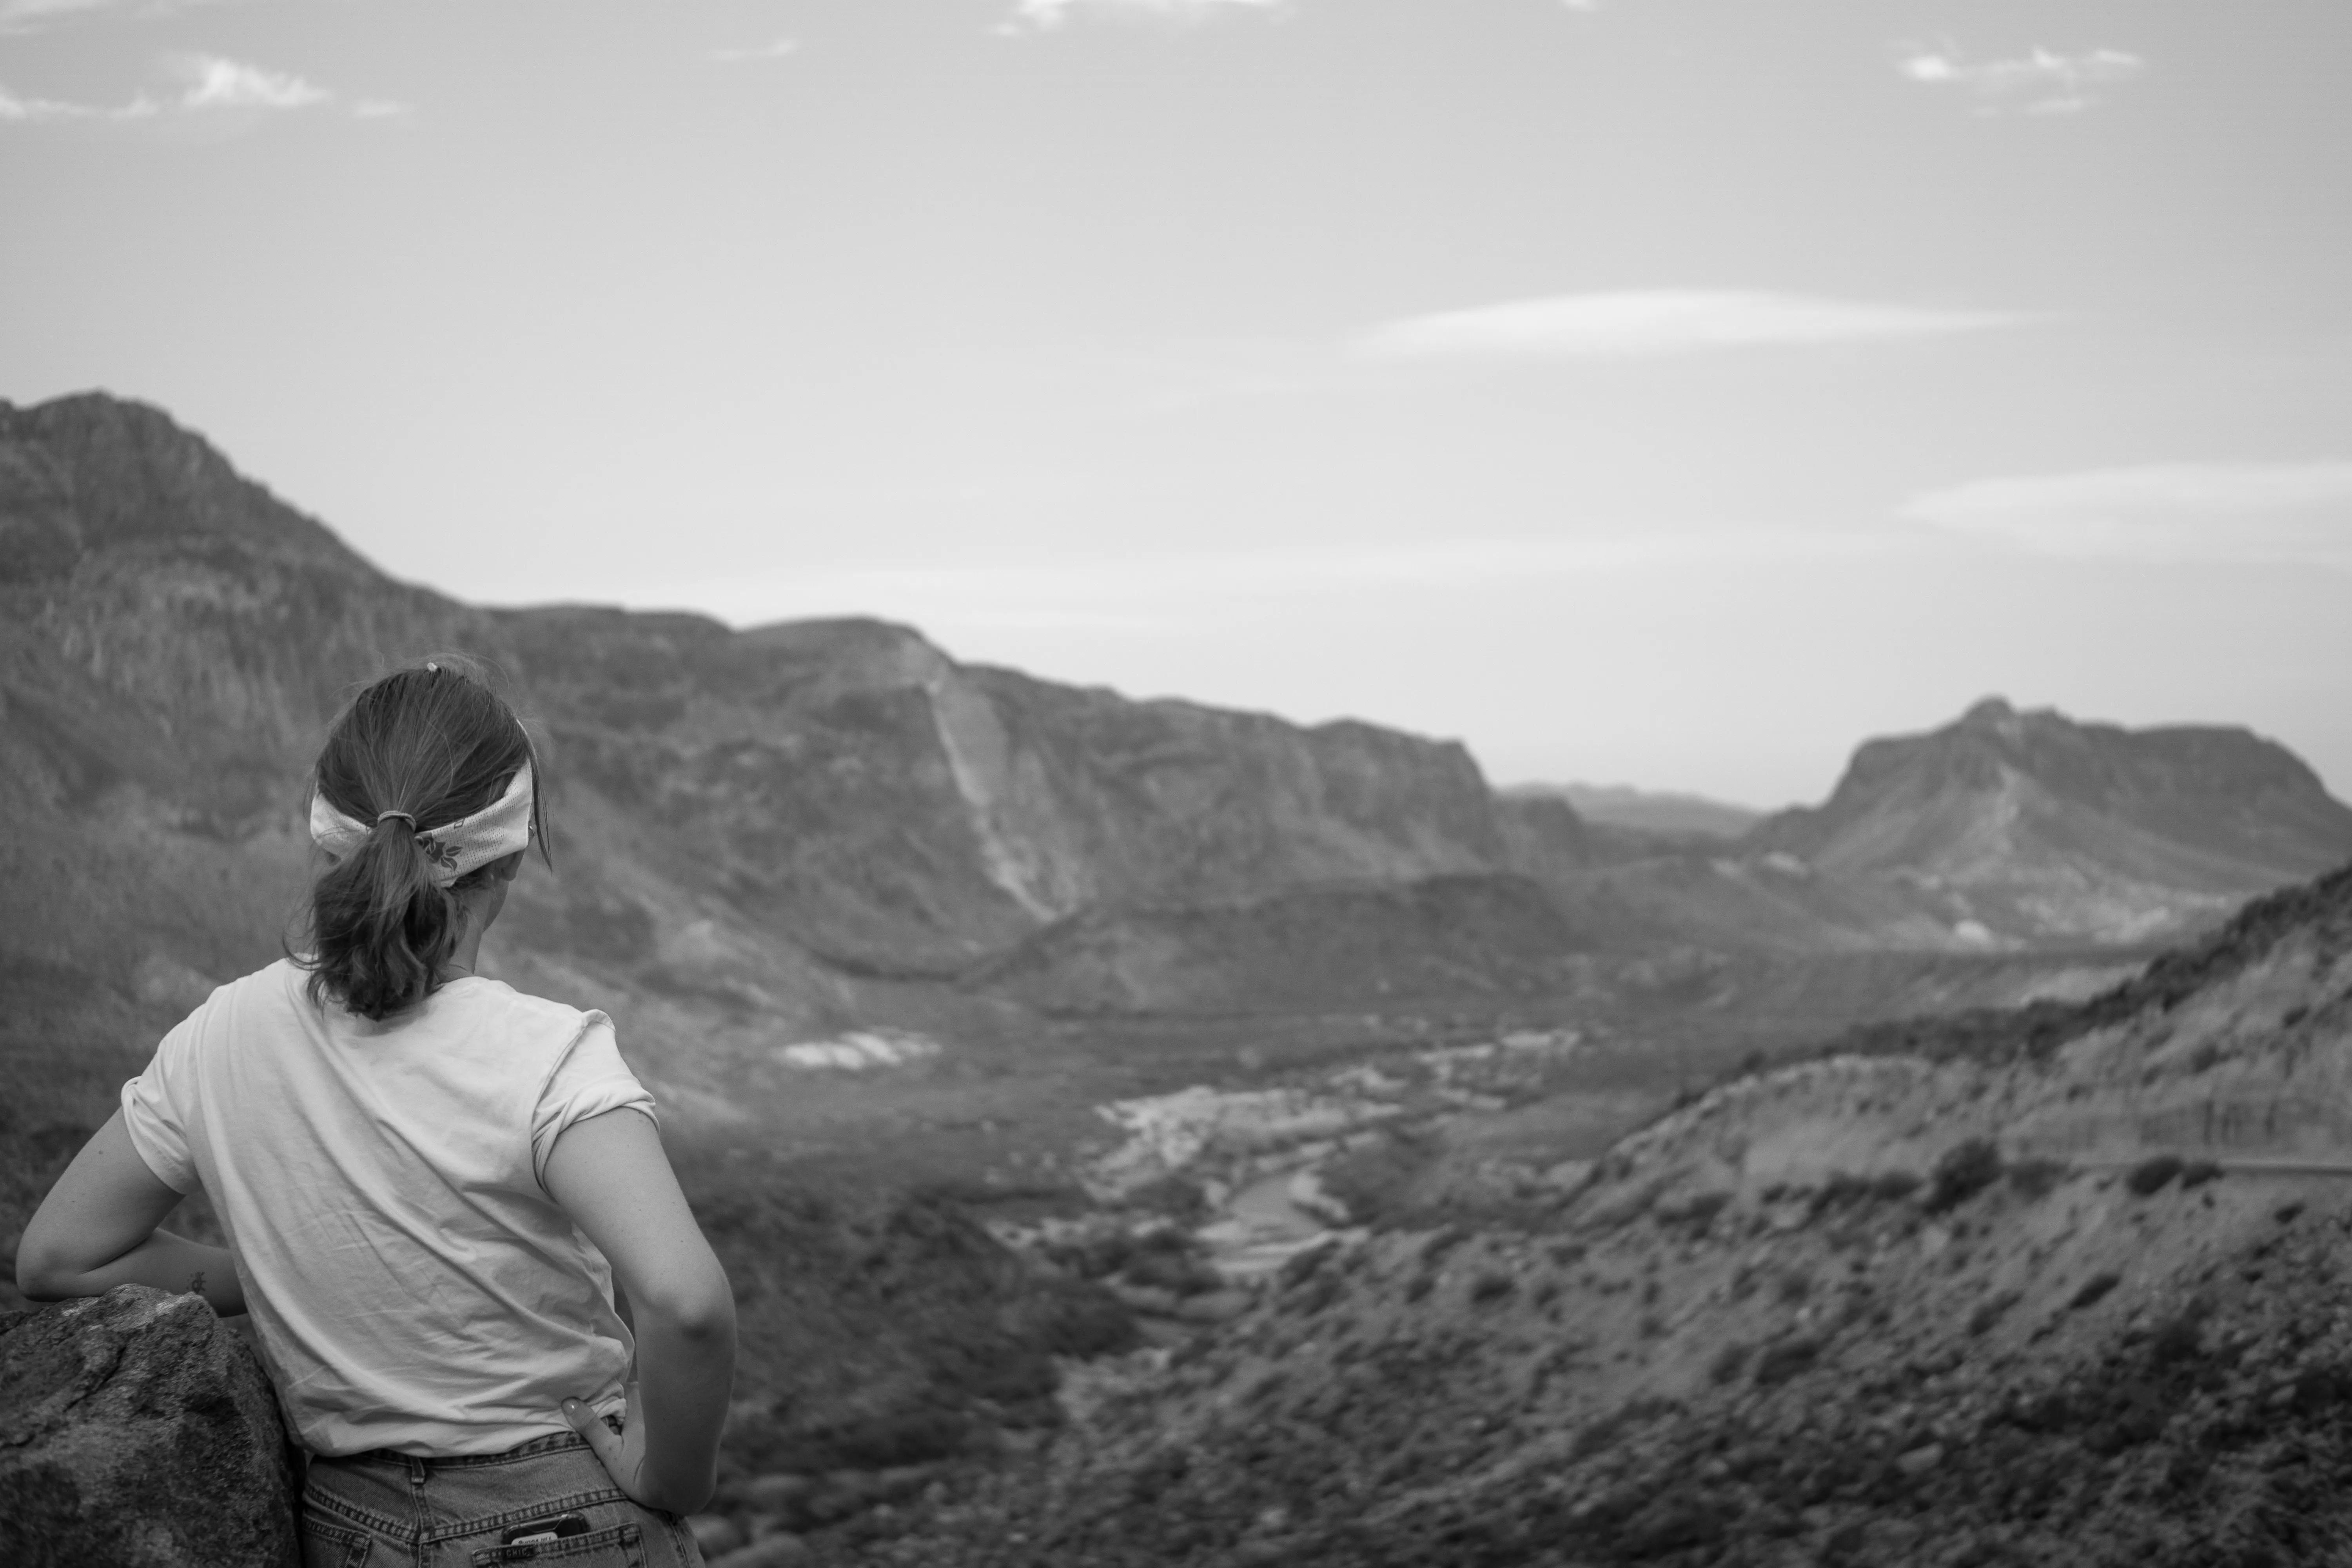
610 1175
97 1230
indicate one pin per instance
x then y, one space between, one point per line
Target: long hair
432 741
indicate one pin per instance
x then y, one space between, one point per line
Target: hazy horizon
1666 395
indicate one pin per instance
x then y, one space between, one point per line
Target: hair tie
453 848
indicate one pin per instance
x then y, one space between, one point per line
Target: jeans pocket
327 1545
622 1546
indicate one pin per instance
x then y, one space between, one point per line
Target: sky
1666 391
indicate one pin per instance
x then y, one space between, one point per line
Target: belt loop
416 1471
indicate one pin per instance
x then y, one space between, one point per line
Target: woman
428 1182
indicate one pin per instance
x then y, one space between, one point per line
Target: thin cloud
34 111
779 49
1649 322
210 85
215 82
1050 13
2041 82
2273 513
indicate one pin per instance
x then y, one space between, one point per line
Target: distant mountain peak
91 471
2038 825
1989 711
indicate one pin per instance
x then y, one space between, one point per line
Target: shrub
2197 1173
1419 1286
1434 1251
2153 1174
1895 1185
2093 1291
1491 1286
1173 1272
1728 1364
2037 1178
1301 1266
1795 1286
2181 1337
1991 1311
1781 1361
1966 1170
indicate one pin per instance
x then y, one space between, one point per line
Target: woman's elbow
701 1309
42 1276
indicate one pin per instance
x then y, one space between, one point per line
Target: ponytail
419 749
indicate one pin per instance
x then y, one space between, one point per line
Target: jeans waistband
553 1443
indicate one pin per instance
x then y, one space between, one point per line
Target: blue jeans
395 1511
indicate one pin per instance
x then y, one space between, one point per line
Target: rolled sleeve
157 1121
588 1079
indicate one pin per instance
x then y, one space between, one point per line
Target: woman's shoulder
478 997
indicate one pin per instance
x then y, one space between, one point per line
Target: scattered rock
138 1432
1919 1461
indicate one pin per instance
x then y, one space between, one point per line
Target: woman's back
429 1182
382 1185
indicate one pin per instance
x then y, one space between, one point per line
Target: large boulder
137 1431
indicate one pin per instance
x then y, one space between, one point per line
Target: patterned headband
455 847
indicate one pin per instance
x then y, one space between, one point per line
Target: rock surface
136 1431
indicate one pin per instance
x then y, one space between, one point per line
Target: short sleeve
589 1079
156 1111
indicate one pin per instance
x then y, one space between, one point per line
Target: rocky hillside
2063 1286
749 823
2032 825
2002 832
761 827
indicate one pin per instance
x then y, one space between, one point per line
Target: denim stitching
328 1502
629 1534
542 1509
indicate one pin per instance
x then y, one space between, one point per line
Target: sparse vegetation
1491 1286
2153 1174
1784 1359
1964 1171
1990 1310
2093 1291
2036 1179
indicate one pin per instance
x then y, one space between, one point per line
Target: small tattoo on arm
196 1285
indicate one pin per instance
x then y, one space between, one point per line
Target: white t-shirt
413 1285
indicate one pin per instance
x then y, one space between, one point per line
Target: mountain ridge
794 810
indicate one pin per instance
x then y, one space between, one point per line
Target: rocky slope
2001 832
2030 826
763 826
2059 1286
